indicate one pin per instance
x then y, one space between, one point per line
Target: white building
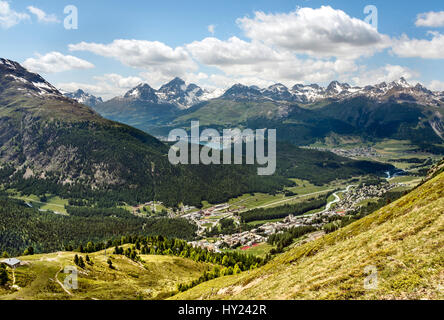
12 262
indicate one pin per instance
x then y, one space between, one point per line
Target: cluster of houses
205 244
350 200
359 152
202 217
246 238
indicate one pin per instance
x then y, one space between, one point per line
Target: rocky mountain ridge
397 91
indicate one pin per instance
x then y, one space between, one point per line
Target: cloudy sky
118 44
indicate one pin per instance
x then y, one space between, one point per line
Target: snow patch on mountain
84 98
397 91
176 92
31 84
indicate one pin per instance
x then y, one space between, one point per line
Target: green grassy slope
139 114
224 112
403 240
154 278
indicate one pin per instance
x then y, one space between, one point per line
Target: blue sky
121 43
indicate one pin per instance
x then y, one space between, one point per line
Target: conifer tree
3 275
81 263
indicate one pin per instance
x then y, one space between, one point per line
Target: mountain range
84 98
303 114
52 143
397 91
183 96
174 93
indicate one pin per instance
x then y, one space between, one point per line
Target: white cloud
74 86
234 51
324 32
436 85
420 48
119 81
430 19
387 73
106 86
153 56
256 63
54 62
42 16
303 46
9 17
223 81
212 29
306 45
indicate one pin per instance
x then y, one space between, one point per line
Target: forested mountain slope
52 144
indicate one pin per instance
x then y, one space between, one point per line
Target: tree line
22 228
226 263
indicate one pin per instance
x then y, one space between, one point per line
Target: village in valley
344 202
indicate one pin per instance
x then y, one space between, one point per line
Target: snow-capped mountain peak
395 91
176 92
31 84
142 92
401 83
240 91
175 85
337 88
278 87
84 98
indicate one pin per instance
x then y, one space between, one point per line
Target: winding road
337 198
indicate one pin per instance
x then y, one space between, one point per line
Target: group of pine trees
283 239
4 277
80 262
130 252
216 272
227 263
159 245
22 227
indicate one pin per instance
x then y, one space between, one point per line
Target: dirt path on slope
60 283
